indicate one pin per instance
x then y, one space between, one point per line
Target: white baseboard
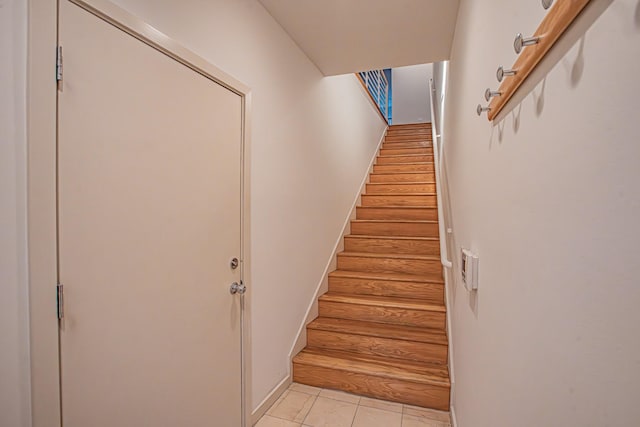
312 310
454 420
271 398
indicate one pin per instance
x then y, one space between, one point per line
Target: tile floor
305 406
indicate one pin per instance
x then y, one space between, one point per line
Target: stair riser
418 143
404 151
392 315
402 177
430 268
433 292
421 167
421 132
424 395
403 159
401 126
400 188
377 346
403 229
408 129
363 212
408 137
392 246
428 201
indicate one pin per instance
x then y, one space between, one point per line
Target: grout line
315 399
355 414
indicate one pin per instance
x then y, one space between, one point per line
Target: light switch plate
469 270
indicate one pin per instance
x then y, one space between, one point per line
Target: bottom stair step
382 378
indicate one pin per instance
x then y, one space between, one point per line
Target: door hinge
60 300
59 64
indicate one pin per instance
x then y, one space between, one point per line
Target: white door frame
42 197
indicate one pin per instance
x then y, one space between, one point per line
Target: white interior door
149 164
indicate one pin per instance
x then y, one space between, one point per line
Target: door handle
238 288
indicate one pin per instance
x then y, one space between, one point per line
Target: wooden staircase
381 329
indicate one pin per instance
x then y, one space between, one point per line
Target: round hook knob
547 3
520 42
502 72
480 109
488 94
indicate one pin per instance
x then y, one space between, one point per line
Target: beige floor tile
381 404
269 421
414 421
430 414
330 413
282 396
372 417
340 395
303 388
293 407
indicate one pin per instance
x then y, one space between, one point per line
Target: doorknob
238 288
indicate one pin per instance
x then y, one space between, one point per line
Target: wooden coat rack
554 24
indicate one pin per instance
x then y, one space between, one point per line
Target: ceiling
346 36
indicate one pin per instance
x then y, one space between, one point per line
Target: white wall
312 139
15 407
549 199
411 102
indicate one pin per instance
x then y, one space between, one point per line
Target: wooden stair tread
406 221
415 131
408 128
405 155
401 194
401 172
380 330
396 277
401 144
387 302
370 236
399 137
407 183
413 163
403 370
399 207
410 135
389 255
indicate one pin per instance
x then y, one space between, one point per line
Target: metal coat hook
502 72
488 94
521 42
480 109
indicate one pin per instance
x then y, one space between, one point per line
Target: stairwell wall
312 140
15 399
411 97
548 197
